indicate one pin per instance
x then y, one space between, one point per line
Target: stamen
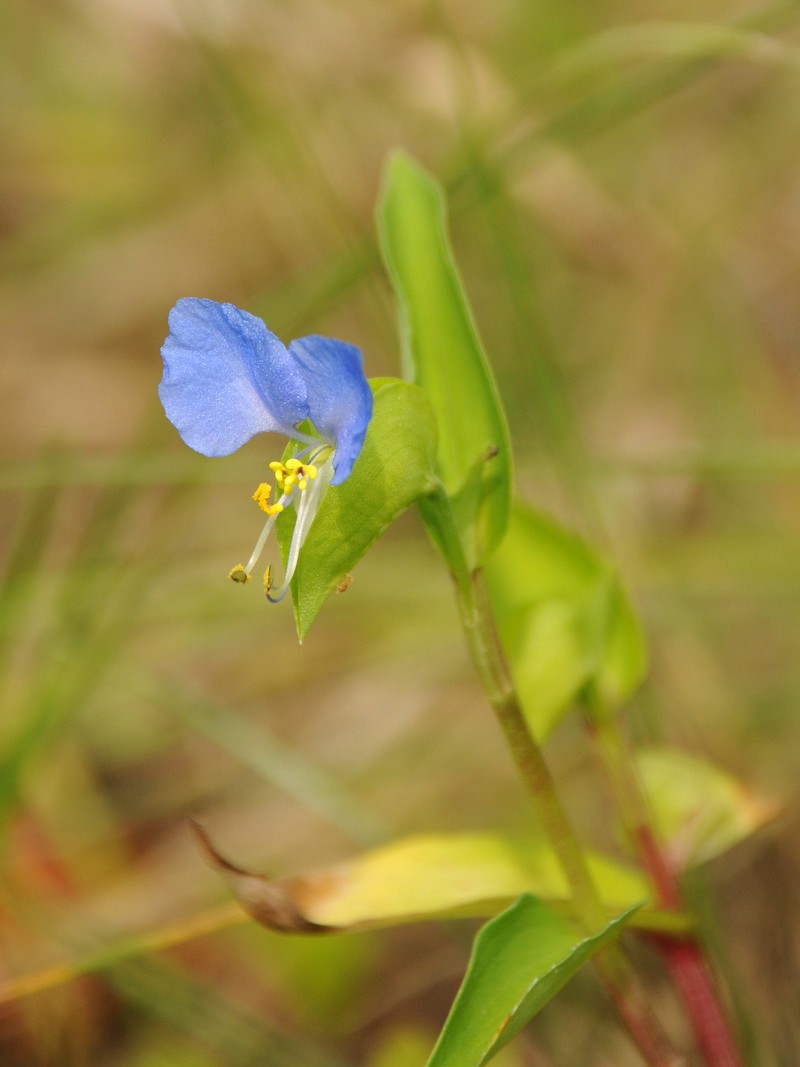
306 513
265 532
261 497
279 471
294 475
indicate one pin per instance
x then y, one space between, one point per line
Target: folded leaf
395 468
699 810
443 355
423 877
520 960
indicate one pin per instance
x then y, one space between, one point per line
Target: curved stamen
262 540
261 497
306 513
298 475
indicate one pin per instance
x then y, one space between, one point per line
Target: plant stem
489 661
617 975
683 956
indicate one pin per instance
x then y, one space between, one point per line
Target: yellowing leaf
423 877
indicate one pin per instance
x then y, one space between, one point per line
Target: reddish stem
638 1016
687 965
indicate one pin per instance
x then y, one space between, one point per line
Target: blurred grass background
625 191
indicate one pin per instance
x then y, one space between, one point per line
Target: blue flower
227 377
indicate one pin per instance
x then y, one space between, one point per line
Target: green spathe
395 468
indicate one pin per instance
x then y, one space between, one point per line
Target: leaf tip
269 903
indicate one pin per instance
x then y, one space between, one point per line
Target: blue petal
339 398
226 377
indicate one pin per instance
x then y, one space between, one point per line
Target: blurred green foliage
624 202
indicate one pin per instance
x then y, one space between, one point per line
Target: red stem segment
683 956
688 966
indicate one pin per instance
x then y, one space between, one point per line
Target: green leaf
546 648
429 876
564 619
395 468
699 810
520 960
443 354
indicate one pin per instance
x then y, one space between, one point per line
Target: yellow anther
267 580
293 473
261 497
239 574
279 471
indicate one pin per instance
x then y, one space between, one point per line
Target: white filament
307 508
